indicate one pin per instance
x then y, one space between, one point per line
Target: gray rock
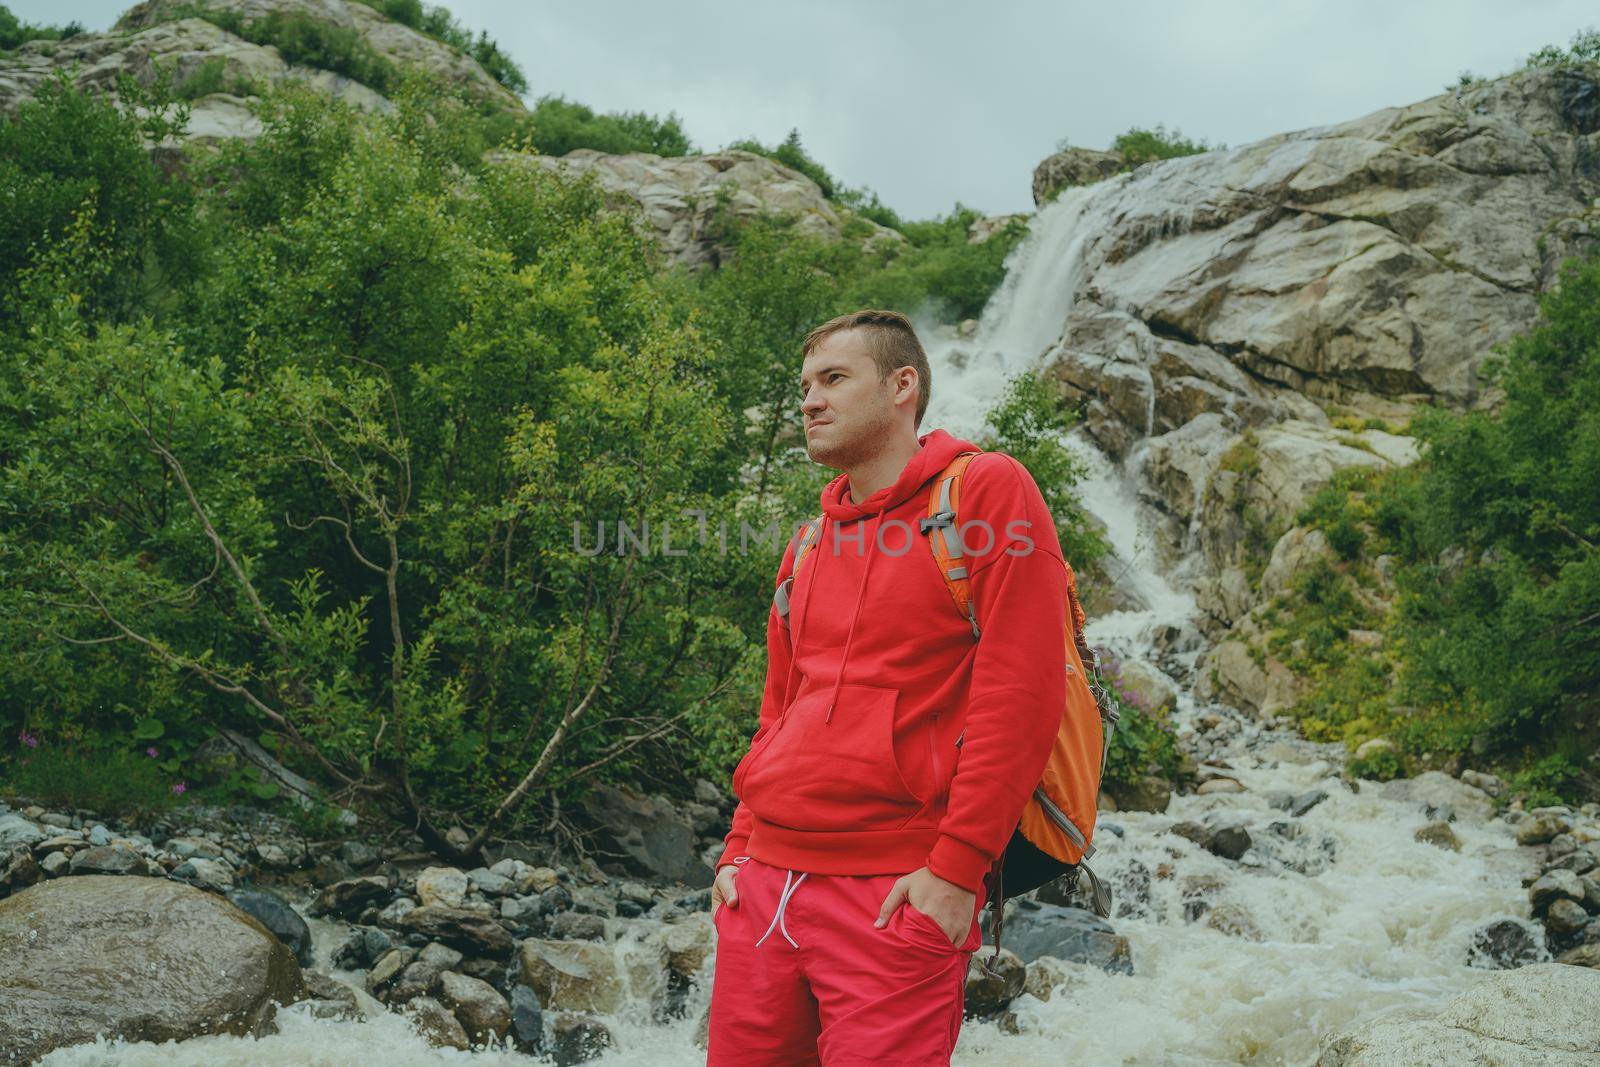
571 975
1436 789
1504 944
646 833
144 959
577 1039
482 1011
1033 930
474 933
1554 886
576 926
109 859
527 1019
437 1026
994 980
55 864
213 875
1439 834
446 886
273 912
389 968
1565 920
1230 841
347 898
18 831
1306 802
1540 829
329 998
18 869
358 854
1584 955
491 884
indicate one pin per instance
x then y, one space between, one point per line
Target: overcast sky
935 101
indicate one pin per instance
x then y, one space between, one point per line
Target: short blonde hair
891 341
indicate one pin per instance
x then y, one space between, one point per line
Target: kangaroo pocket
839 774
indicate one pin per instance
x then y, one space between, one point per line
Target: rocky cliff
1247 322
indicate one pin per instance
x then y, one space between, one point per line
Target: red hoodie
889 737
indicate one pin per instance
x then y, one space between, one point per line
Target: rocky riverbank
544 958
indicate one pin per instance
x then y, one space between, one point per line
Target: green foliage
938 272
335 500
1141 145
1491 649
1381 765
1144 742
212 77
14 32
556 126
69 150
1583 51
792 154
303 40
101 777
1029 423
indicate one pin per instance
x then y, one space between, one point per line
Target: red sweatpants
804 977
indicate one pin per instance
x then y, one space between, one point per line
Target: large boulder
645 833
1033 930
1437 793
1072 166
1543 1013
1377 258
144 959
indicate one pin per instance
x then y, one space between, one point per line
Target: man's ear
905 381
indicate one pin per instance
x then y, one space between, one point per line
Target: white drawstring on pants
783 902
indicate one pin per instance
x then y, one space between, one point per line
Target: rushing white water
1329 917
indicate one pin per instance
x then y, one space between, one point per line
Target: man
895 752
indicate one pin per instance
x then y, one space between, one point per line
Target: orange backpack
1053 837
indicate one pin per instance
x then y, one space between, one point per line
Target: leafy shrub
556 126
1381 765
105 777
1583 51
1144 741
212 77
1141 145
71 150
14 32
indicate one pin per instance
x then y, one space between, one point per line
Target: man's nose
811 403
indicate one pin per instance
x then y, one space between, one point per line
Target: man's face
849 414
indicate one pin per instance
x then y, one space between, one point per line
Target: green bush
1383 765
1144 741
104 778
1583 51
1140 145
14 32
556 126
68 151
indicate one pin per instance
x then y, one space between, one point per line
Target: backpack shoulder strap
808 535
944 535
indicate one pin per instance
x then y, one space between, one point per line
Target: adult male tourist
895 751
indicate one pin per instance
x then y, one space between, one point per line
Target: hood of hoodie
939 447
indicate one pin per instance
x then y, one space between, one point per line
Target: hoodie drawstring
861 595
783 902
